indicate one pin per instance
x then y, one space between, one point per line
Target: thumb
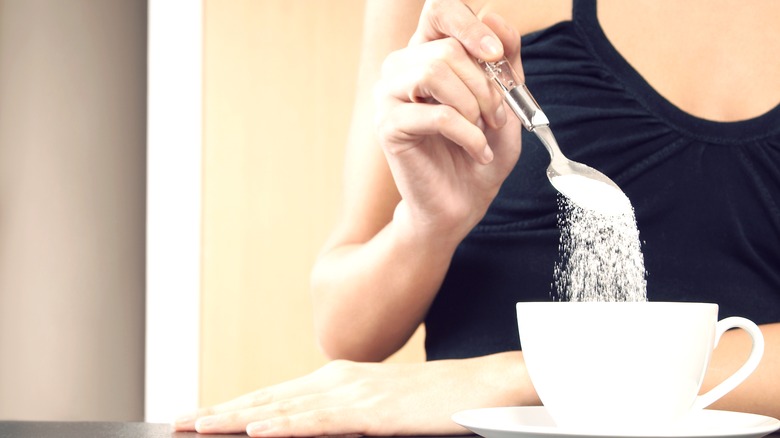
452 18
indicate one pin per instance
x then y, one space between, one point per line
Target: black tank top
706 196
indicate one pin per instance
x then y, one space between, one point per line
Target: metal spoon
582 184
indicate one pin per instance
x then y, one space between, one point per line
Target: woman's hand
445 131
344 398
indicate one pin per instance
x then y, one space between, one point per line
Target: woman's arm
759 393
421 121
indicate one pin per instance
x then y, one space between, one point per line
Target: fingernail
205 423
185 421
501 115
490 45
487 154
257 428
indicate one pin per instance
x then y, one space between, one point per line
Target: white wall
174 208
72 208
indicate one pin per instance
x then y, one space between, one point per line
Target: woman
449 224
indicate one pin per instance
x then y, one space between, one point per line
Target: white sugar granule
601 256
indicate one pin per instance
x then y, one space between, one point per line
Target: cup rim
526 307
615 303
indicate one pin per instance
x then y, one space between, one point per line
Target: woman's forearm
369 298
445 147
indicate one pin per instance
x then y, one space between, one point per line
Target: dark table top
61 429
57 429
46 429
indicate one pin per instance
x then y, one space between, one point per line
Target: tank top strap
584 12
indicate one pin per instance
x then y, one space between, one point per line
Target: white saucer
535 422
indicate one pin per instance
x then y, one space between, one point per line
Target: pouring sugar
600 252
592 194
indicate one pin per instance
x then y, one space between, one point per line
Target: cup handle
744 371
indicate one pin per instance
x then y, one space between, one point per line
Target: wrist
507 376
440 233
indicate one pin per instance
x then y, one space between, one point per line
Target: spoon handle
515 93
524 105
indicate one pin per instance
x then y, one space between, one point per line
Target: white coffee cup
625 366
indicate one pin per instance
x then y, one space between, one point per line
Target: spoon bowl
582 184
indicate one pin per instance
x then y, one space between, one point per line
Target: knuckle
204 412
471 32
449 48
386 122
392 138
285 407
385 125
444 115
433 70
472 111
322 419
440 8
229 418
435 6
262 397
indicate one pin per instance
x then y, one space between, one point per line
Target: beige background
279 79
72 209
279 83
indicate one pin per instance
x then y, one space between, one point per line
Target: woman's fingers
443 72
237 421
435 82
449 92
408 122
452 18
283 391
510 38
321 422
321 403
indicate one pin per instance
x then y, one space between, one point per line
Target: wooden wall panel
279 81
